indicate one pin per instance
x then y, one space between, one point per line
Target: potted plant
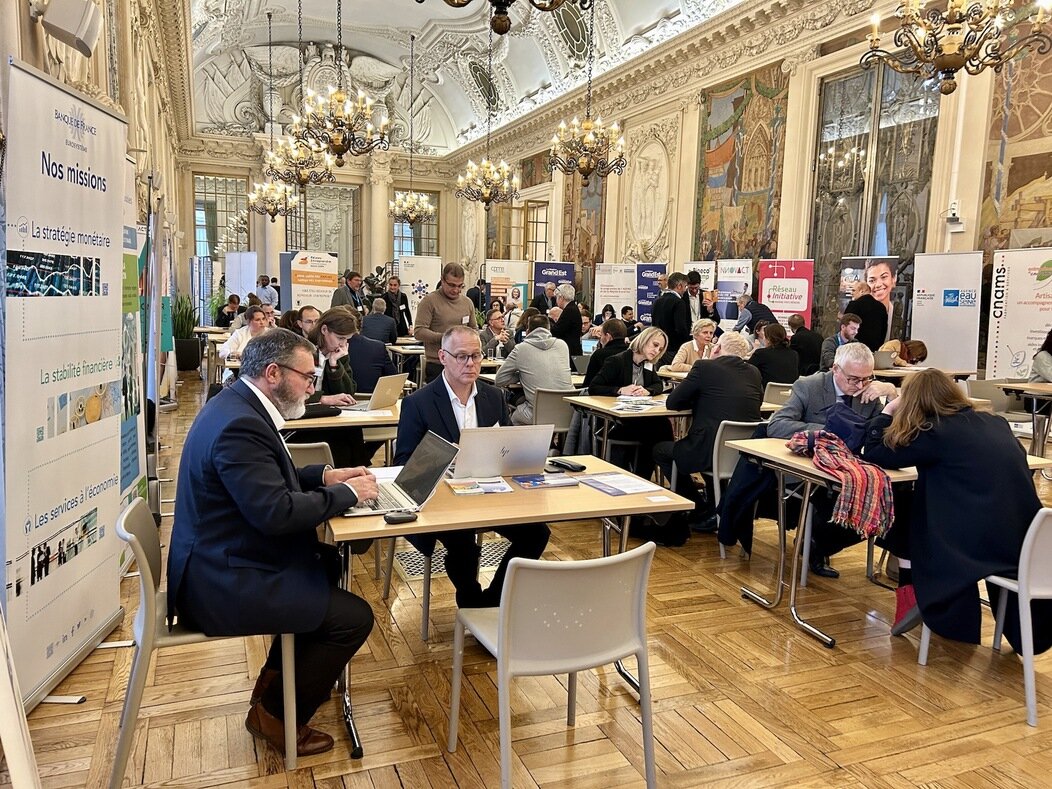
187 346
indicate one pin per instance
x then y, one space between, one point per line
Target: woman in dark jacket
776 361
874 327
973 503
632 373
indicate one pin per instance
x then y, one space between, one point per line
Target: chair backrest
559 617
1000 402
777 393
310 454
1035 559
550 408
725 459
136 526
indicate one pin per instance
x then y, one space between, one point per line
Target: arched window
573 31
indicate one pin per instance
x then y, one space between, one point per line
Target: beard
289 404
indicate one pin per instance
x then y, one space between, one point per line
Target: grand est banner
1020 310
647 290
557 271
787 288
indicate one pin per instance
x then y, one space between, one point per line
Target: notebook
883 360
415 483
386 394
503 451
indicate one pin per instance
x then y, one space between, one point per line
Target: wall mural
740 166
534 170
584 222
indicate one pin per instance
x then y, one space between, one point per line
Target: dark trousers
828 539
431 371
703 505
320 655
648 431
462 559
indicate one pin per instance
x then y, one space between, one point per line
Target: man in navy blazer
245 558
454 400
369 361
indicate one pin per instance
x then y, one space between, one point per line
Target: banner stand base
63 699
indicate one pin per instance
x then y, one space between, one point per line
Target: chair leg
504 716
723 551
571 699
390 569
458 670
647 714
288 690
425 612
925 642
999 619
1026 633
130 715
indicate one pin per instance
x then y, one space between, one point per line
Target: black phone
566 465
399 517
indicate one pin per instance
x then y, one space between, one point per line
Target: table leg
753 595
343 685
1039 429
803 536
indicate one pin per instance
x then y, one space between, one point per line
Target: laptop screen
588 345
425 467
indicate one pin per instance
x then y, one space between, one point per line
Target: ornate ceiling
542 58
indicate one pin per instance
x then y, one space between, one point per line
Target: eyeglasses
308 377
464 358
451 286
855 380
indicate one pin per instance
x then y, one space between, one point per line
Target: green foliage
215 304
184 318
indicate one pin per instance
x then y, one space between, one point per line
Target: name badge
465 320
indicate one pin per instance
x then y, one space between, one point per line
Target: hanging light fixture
590 147
271 197
937 44
296 161
486 182
500 22
338 125
412 206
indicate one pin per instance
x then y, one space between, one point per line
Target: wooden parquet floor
742 697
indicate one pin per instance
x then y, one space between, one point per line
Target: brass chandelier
588 147
412 206
335 123
486 182
272 198
297 161
500 22
967 35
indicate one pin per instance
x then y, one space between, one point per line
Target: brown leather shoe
265 726
266 676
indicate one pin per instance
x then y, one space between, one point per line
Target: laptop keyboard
384 501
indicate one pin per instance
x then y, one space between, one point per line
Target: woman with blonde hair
700 347
973 502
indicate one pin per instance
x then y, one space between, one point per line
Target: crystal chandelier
500 22
588 147
412 206
937 44
486 182
335 123
296 161
271 197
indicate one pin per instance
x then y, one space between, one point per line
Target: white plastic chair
777 393
135 526
1035 583
551 408
724 459
561 617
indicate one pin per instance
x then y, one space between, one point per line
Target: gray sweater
538 362
1041 369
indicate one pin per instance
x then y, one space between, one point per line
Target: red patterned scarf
865 504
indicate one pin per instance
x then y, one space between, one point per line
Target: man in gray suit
851 381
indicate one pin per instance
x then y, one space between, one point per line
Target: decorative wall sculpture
648 202
740 166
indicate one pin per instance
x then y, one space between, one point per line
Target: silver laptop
415 483
503 451
883 360
386 393
580 364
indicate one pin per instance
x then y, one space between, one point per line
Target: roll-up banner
419 275
946 288
62 382
557 271
507 280
647 289
312 277
787 288
707 270
1020 310
733 279
615 285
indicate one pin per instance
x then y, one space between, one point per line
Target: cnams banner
64 392
946 288
1020 310
787 288
647 290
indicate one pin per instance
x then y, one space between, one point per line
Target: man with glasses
308 319
849 381
441 310
456 399
245 558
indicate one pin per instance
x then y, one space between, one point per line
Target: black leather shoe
822 568
709 525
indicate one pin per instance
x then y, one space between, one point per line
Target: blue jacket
245 557
369 362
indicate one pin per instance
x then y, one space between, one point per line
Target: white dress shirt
464 414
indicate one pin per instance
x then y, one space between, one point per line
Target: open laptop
503 451
415 483
385 394
589 344
883 360
580 364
